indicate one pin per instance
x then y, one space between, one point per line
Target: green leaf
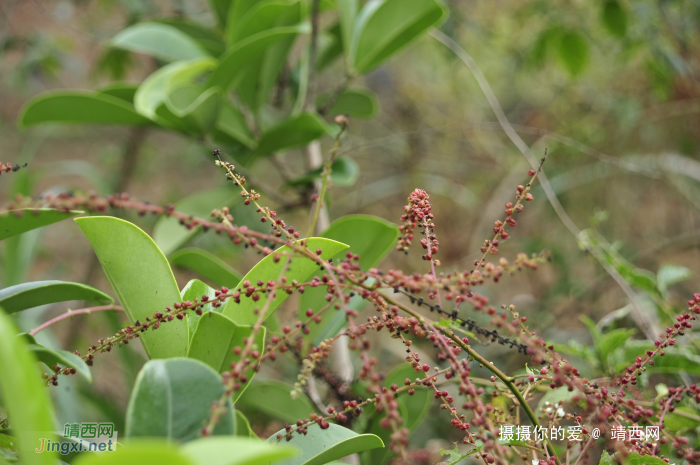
635 459
347 10
208 265
8 449
669 274
675 422
321 446
300 269
138 453
356 103
573 52
153 92
36 293
274 398
206 37
614 18
611 341
214 340
169 234
456 456
141 277
14 222
261 16
370 237
23 394
172 398
195 289
243 426
236 451
383 27
235 63
221 9
344 173
121 90
52 357
413 410
76 107
231 125
295 131
607 459
158 40
674 361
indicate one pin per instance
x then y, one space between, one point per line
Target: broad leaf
52 357
274 398
356 103
347 11
24 395
300 269
236 451
14 222
121 90
172 399
235 62
208 265
154 91
321 446
371 238
34 294
158 40
75 107
142 279
214 340
195 289
295 131
674 361
243 426
231 126
206 37
635 459
138 453
573 51
169 234
383 27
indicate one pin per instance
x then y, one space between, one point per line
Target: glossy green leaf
611 341
383 27
190 108
344 173
262 16
52 357
8 449
36 293
330 47
14 222
141 277
195 289
24 395
236 61
573 52
214 340
356 103
370 237
220 8
300 268
243 426
172 399
236 451
157 40
76 107
208 265
169 234
669 274
321 446
295 131
154 90
614 18
274 398
138 453
413 410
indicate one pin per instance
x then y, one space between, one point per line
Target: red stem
71 313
